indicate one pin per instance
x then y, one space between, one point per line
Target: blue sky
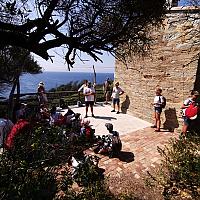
79 66
86 66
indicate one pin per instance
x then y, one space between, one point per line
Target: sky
79 66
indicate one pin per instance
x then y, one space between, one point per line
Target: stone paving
139 153
140 142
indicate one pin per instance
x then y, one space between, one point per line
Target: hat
41 83
196 93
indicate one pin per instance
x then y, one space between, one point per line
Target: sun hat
41 83
196 93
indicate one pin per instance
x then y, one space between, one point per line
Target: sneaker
113 111
117 112
85 116
157 130
154 126
93 115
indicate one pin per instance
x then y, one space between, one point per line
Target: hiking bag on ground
116 144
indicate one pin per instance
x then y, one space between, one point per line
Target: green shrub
179 174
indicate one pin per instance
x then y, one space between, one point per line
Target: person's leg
185 126
155 122
118 107
91 107
105 94
86 108
158 122
114 102
184 129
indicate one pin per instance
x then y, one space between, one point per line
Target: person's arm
81 88
186 104
121 92
93 91
85 92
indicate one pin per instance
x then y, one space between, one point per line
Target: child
186 104
158 102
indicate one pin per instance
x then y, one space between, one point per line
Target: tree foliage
14 61
88 26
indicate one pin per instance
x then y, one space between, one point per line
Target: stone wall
172 64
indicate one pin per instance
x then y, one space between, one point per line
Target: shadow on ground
125 105
125 156
171 119
105 118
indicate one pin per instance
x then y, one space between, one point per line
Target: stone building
172 63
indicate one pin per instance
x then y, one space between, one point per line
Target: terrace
139 141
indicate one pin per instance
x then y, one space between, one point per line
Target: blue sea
29 82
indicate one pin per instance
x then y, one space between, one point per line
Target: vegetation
36 168
13 62
179 173
79 25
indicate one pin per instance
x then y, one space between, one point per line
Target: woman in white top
158 102
116 92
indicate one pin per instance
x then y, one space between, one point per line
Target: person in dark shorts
89 93
158 102
106 89
116 92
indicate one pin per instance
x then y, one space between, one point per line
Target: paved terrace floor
139 151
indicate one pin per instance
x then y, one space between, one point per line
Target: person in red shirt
20 127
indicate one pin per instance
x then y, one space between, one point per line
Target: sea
29 82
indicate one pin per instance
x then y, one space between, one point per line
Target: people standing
42 93
116 93
89 93
106 89
186 104
158 105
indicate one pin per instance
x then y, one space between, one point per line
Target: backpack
116 144
164 102
191 111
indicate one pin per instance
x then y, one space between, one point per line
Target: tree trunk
11 100
18 90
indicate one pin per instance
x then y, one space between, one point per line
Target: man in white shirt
89 93
117 91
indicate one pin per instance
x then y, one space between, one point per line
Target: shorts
158 110
116 101
186 120
89 103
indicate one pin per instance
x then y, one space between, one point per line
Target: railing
70 97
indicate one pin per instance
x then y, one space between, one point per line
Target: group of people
160 102
115 92
89 93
